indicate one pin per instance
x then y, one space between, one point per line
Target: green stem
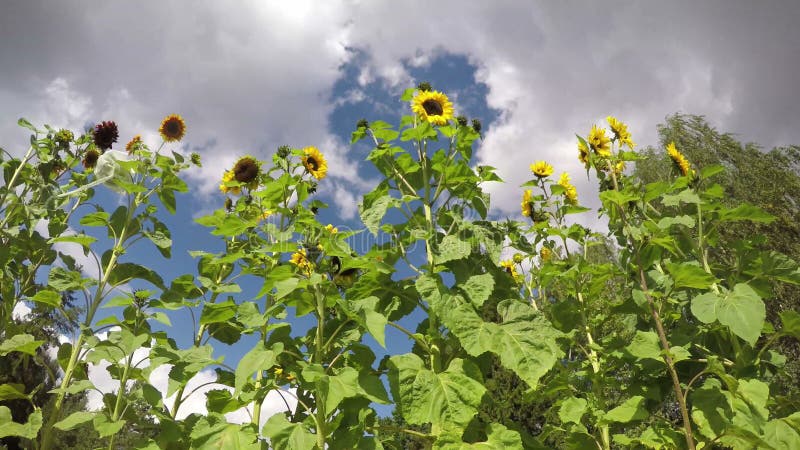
47 432
319 396
10 184
120 393
662 336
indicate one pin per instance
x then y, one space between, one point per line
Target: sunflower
619 168
227 177
315 163
583 153
246 171
433 107
620 132
331 229
599 142
105 134
570 192
541 169
134 144
511 268
90 159
172 128
300 259
680 161
527 204
546 254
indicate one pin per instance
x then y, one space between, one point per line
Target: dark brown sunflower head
90 158
105 134
246 170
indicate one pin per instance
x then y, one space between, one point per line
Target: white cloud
20 311
194 400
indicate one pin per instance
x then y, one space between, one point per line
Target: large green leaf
645 345
746 212
452 248
784 433
791 323
449 398
498 437
743 311
258 358
373 214
284 435
23 343
12 391
572 409
525 341
28 430
74 420
232 437
690 275
704 307
478 288
630 410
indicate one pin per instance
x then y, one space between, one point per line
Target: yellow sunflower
621 132
583 153
224 188
541 169
315 163
331 229
172 128
527 204
546 254
680 161
570 192
599 142
511 268
433 107
134 144
300 259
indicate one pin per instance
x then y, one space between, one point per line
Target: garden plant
660 343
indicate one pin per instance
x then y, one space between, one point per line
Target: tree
769 180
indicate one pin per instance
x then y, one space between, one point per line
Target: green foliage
655 334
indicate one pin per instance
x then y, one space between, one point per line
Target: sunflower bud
195 157
362 124
228 204
517 258
476 125
283 151
462 121
425 86
63 138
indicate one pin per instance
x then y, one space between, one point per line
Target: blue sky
250 76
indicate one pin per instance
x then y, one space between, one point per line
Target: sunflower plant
631 336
